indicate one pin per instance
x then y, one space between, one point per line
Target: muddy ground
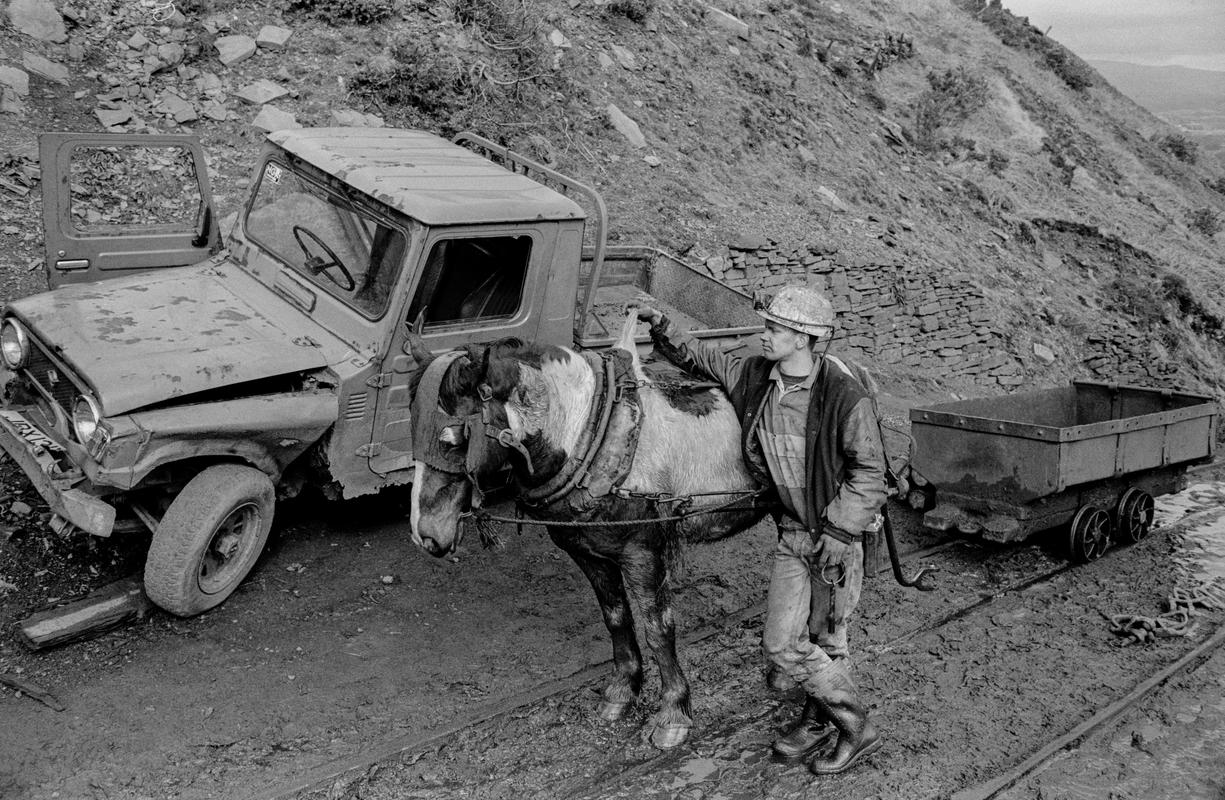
348 640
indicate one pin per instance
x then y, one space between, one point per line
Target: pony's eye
452 435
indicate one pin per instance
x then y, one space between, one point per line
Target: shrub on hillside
1017 32
1204 221
951 97
635 10
417 74
1074 72
997 162
1180 146
361 12
1204 322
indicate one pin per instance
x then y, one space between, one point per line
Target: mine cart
1088 456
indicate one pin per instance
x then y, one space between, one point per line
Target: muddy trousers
797 595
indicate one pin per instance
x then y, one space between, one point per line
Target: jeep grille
50 378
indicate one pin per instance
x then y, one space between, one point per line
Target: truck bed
708 308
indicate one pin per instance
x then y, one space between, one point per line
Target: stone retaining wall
888 313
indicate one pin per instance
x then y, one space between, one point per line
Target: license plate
28 431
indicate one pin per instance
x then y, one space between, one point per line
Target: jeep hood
149 338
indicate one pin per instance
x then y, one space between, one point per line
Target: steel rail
416 742
604 781
314 778
1075 737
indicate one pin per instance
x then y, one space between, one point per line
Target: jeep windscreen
339 246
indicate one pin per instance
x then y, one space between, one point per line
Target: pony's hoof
611 711
665 737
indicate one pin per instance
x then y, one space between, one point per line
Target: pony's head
475 417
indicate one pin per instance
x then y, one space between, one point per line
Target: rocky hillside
990 209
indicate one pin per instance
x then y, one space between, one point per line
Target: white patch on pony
679 452
414 514
686 454
554 401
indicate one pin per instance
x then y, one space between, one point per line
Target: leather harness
602 456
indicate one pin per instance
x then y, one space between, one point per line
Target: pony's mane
495 364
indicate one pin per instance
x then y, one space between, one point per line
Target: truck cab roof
426 177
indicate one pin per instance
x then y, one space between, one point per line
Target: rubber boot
838 699
806 737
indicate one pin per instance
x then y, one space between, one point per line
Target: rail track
625 775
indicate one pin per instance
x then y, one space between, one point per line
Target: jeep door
116 204
473 285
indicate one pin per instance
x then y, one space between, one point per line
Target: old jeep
166 382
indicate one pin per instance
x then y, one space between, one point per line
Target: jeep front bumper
36 454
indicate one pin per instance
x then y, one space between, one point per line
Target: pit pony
619 469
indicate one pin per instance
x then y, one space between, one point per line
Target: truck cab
170 380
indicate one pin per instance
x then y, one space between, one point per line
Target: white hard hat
799 307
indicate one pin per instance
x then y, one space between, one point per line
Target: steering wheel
315 264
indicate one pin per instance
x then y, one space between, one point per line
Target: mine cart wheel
1134 515
1089 534
209 539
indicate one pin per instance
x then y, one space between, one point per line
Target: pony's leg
646 583
605 578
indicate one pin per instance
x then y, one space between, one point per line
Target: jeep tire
209 539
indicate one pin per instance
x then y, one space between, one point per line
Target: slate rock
137 41
348 118
171 53
15 79
625 126
47 69
1044 353
558 39
111 118
807 157
727 22
233 49
273 37
270 118
215 111
625 58
10 102
827 196
261 91
178 108
37 18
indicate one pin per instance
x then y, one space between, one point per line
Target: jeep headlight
86 415
14 345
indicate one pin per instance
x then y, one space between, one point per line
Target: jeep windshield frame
338 241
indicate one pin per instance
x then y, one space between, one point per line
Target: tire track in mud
548 743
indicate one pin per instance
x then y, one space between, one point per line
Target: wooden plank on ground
100 610
31 690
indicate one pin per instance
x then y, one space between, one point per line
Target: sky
1185 33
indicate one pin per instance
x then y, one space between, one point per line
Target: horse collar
605 441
